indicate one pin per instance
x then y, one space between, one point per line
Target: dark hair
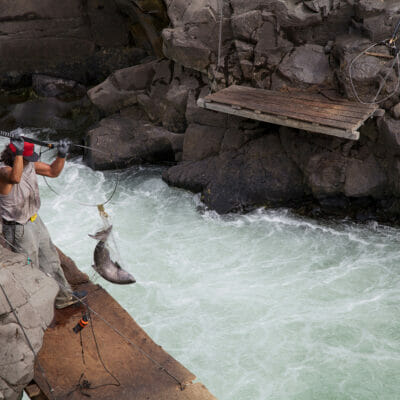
7 157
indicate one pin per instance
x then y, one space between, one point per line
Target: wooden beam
279 120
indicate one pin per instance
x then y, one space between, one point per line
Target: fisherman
19 203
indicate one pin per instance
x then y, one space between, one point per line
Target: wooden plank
275 97
320 107
288 105
302 95
371 53
285 121
142 368
291 112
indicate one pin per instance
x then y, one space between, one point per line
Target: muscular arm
51 170
11 176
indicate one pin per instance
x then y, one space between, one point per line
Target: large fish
108 269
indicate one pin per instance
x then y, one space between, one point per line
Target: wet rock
122 141
365 178
201 142
260 173
307 64
32 294
120 89
49 112
153 103
166 104
326 174
199 115
163 72
389 130
48 86
174 118
109 99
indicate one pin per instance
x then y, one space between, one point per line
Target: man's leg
49 261
24 240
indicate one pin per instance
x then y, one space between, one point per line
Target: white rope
221 20
396 61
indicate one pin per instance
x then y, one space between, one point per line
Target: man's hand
63 148
18 142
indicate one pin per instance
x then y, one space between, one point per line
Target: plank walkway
302 110
140 378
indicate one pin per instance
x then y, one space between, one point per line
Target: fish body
108 269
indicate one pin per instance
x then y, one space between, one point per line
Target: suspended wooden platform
302 110
143 370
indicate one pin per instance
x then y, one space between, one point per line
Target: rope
221 18
85 384
163 369
51 390
81 202
396 60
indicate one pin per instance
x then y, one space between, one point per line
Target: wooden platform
64 361
302 110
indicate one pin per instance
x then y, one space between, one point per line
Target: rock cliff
237 164
144 108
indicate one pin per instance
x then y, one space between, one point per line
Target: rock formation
32 295
143 109
237 164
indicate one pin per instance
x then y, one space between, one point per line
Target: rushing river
261 306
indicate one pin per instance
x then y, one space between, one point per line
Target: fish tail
102 236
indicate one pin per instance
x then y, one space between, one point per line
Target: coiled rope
396 62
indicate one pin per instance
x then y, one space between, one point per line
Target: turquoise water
260 306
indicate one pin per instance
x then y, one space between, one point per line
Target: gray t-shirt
23 201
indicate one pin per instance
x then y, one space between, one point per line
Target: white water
261 306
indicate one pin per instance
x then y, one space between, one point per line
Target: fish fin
117 265
102 235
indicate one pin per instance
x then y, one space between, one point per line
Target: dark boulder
258 174
121 141
365 178
65 117
307 65
63 89
57 38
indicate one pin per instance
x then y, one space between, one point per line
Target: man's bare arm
11 176
50 170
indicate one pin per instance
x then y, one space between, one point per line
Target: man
19 203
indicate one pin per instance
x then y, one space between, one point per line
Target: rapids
259 306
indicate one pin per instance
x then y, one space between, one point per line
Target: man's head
29 151
9 153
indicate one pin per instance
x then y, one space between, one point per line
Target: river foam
259 306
